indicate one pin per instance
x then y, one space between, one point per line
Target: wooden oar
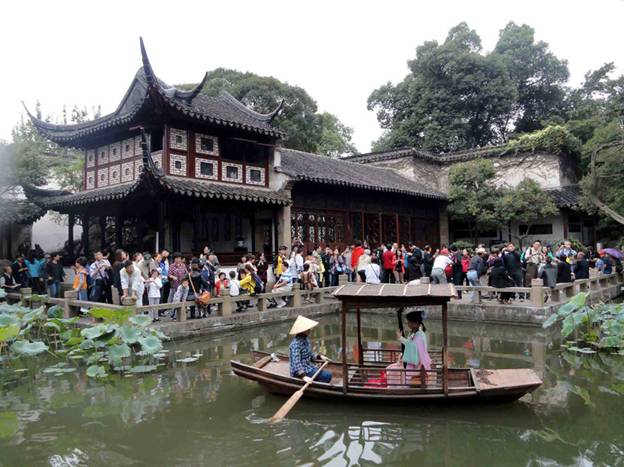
290 403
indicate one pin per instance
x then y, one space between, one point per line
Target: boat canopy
392 295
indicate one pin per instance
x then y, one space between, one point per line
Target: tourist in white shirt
372 272
154 284
439 265
131 281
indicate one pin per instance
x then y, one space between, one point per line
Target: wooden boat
369 379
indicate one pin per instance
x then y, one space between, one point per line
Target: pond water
201 414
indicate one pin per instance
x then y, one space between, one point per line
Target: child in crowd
221 283
235 288
180 295
80 278
154 284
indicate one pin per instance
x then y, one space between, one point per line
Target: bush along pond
119 342
590 328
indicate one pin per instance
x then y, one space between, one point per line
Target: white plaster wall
51 231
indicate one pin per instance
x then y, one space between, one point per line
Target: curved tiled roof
566 196
178 185
440 158
14 211
147 90
322 169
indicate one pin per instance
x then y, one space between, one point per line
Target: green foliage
604 182
476 199
462 245
527 202
307 129
121 342
31 159
457 97
473 194
554 139
601 324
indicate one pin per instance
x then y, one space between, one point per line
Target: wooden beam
161 224
71 220
86 221
359 337
343 343
445 348
102 221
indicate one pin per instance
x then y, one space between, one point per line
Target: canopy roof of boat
393 295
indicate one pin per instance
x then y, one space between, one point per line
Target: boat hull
487 386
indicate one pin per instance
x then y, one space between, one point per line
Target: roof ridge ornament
148 162
191 94
264 117
147 66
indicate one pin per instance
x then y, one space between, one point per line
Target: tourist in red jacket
355 257
389 258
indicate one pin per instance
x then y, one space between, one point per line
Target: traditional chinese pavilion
179 169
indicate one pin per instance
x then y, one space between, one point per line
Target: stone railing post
262 303
342 279
67 310
425 280
537 292
296 297
318 297
182 312
226 306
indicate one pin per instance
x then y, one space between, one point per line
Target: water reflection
200 413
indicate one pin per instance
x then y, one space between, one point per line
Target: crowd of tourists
162 277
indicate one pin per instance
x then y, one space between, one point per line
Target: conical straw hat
302 324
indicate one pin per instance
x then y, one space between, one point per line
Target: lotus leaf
141 320
55 311
95 331
187 360
150 344
9 332
129 334
29 348
7 319
119 351
142 369
96 371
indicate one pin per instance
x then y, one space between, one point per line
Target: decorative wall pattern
114 174
157 158
177 164
206 168
90 179
137 145
102 177
231 172
255 175
138 164
102 155
178 139
127 148
206 144
91 158
115 152
127 171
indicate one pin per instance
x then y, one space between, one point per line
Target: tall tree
457 97
453 98
31 159
308 130
538 75
524 204
473 195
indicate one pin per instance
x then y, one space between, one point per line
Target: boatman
302 359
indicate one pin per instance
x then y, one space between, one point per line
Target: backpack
259 285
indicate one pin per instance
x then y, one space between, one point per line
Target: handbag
201 299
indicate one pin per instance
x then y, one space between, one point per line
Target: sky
86 53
